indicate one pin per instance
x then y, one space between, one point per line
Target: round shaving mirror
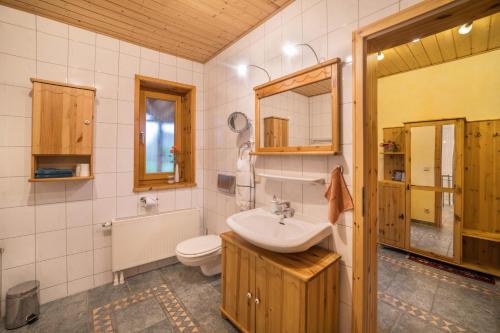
238 122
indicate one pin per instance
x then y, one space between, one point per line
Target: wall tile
107 42
126 89
78 190
80 265
17 221
49 272
79 239
105 135
52 72
16 191
126 206
17 41
125 137
125 112
49 193
102 260
149 68
51 27
81 77
50 245
50 217
18 251
106 85
77 286
16 71
103 210
105 160
124 184
130 49
14 161
14 276
51 49
128 65
106 110
79 213
106 61
102 237
315 21
81 35
15 101
53 293
105 185
341 13
17 17
81 55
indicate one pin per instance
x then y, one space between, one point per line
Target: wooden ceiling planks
444 46
193 29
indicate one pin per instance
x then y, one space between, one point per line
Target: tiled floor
412 298
175 298
418 298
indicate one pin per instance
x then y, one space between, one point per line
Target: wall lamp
243 70
291 50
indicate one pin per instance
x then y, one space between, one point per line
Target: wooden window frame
420 20
185 120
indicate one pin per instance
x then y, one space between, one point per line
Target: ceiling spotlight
465 29
380 55
416 40
242 70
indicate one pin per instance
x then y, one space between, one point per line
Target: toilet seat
199 246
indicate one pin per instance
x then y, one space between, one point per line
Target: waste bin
22 304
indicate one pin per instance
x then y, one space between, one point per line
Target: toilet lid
199 245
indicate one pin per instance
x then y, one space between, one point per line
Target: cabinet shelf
308 180
489 236
482 268
62 179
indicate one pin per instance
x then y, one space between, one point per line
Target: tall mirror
299 113
435 176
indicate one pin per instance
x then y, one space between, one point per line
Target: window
164 129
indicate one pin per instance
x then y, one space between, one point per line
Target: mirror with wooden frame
434 170
299 113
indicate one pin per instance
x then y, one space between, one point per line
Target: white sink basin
262 228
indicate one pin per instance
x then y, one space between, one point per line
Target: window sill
155 187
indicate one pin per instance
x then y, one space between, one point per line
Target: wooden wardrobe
478 240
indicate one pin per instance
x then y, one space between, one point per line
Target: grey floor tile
160 327
144 281
139 316
409 324
387 317
106 294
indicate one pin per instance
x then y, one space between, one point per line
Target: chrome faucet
282 208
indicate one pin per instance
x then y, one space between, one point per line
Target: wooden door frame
423 19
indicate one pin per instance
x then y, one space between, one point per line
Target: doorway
424 19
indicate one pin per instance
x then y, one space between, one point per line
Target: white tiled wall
51 231
327 25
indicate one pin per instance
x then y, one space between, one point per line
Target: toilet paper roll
148 202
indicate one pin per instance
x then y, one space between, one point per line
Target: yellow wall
468 88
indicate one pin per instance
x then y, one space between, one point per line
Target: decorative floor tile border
421 314
173 308
441 277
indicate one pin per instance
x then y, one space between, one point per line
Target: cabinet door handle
402 216
86 122
142 136
257 301
249 295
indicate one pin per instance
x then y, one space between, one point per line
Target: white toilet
203 251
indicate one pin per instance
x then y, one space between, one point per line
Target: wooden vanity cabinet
267 292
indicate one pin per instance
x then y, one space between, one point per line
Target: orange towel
338 196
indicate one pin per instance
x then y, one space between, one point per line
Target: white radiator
145 239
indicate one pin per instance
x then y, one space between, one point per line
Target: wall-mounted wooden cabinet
275 132
62 127
263 291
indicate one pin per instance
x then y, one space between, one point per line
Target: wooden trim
56 83
425 18
185 95
63 179
326 70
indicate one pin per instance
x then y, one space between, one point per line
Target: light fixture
380 55
242 70
465 28
291 50
416 40
348 59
